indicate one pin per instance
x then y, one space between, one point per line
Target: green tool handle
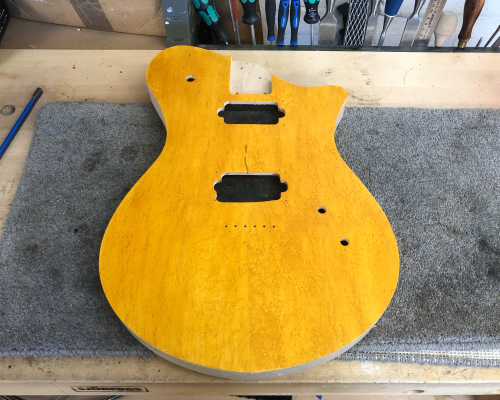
312 16
207 11
250 14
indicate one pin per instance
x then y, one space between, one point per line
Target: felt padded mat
436 174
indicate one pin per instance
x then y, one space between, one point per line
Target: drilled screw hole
190 78
344 242
8 110
322 210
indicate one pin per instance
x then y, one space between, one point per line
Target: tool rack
182 22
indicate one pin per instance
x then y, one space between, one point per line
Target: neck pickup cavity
251 113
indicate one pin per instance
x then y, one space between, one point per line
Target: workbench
467 79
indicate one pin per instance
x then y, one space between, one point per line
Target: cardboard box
4 18
144 17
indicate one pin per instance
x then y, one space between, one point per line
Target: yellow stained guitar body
246 289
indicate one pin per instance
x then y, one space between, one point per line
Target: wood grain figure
246 290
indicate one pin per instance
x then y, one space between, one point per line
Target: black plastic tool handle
312 16
283 12
250 14
270 16
207 11
294 21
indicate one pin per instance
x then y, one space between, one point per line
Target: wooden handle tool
472 9
445 27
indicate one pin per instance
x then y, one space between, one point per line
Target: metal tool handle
329 9
418 6
492 36
270 16
392 7
375 4
332 4
294 21
496 44
209 14
250 14
283 11
311 16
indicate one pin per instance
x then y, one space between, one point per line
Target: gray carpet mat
436 174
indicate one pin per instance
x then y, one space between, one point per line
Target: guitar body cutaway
247 250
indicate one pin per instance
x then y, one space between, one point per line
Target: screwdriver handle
472 9
270 16
283 11
250 14
312 16
209 14
392 7
294 21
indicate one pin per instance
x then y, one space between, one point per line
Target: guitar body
247 250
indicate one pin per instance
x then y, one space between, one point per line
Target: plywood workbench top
380 79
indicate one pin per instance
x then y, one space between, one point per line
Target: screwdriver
234 19
311 16
294 22
391 9
472 9
207 11
250 16
270 15
283 12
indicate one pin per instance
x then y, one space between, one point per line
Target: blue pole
20 121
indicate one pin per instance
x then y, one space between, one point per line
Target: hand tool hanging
209 14
391 9
270 17
283 11
234 19
356 22
294 22
371 26
429 23
328 27
250 16
446 27
343 10
412 25
311 17
472 9
492 36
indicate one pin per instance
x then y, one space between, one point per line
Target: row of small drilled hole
244 226
343 242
